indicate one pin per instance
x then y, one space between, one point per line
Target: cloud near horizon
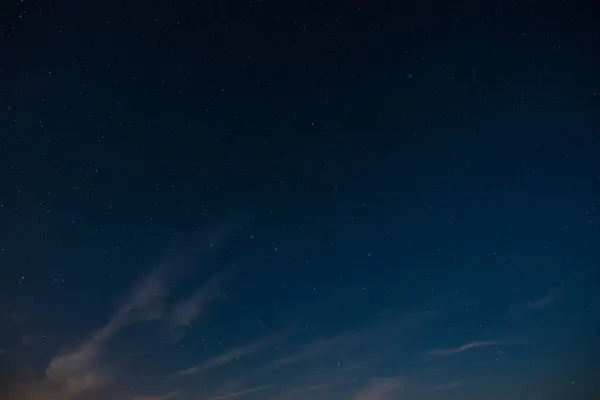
296 362
380 389
163 397
71 374
82 369
242 392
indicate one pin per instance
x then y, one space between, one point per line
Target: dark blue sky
299 200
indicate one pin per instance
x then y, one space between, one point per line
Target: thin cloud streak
298 391
379 389
296 365
429 389
243 392
190 309
163 397
81 370
542 303
463 348
71 374
524 308
309 352
363 341
230 355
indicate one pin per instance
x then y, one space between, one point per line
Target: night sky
314 200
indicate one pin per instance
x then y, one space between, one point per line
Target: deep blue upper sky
299 200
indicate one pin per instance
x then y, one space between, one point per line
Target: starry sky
269 200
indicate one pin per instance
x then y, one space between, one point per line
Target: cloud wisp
163 397
81 370
71 374
241 393
542 303
531 306
190 309
316 368
309 352
230 355
380 389
461 349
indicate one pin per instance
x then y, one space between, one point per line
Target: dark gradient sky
299 200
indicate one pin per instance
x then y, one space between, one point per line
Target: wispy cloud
320 386
436 388
309 351
542 302
299 388
379 389
163 397
447 386
83 369
316 368
242 392
363 343
191 308
461 349
80 370
230 355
